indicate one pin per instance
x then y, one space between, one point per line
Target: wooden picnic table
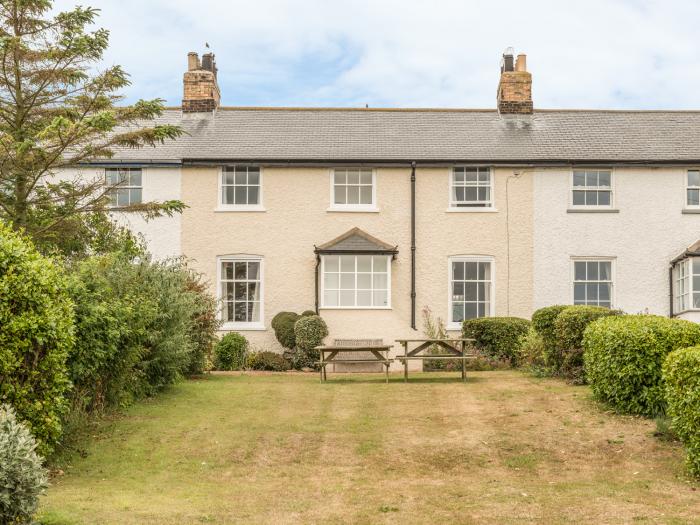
454 349
377 352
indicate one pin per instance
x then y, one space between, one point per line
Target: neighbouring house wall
296 201
162 235
647 233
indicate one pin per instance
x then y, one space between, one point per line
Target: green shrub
681 374
36 334
230 352
309 332
308 313
569 327
624 356
283 325
497 337
22 475
532 349
543 323
205 324
267 361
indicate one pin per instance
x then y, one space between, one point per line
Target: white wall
647 233
162 235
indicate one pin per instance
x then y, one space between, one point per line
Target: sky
593 54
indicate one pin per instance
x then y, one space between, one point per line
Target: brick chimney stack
201 90
515 87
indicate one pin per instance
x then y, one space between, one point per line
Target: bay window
356 281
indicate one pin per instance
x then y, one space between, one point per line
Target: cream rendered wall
162 235
647 233
296 201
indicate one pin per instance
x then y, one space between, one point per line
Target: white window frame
573 188
453 204
451 325
572 279
689 291
323 283
123 186
689 187
238 326
238 207
362 208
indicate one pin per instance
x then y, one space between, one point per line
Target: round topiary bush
36 335
624 357
543 323
681 373
270 361
22 475
497 337
230 352
283 325
307 313
309 332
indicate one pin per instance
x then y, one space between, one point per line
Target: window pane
591 178
331 280
470 269
353 176
604 179
579 293
339 177
458 193
592 274
135 196
694 178
366 195
470 194
254 176
381 281
122 197
381 298
484 194
458 175
331 263
604 292
227 293
603 198
347 281
696 283
364 263
470 175
364 298
366 177
605 271
347 263
228 177
579 198
353 195
347 298
482 309
592 292
253 270
485 271
330 298
696 300
240 195
227 195
457 312
579 178
254 312
253 289
364 281
693 197
470 291
696 266
240 177
240 315
253 192
591 198
470 311
228 311
339 195
240 270
458 271
227 270
458 291
380 263
580 271
484 175
241 292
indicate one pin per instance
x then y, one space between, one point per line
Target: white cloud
594 54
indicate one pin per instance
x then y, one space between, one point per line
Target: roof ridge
439 110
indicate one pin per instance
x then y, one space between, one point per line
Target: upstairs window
592 188
593 282
471 188
126 187
693 188
240 187
353 189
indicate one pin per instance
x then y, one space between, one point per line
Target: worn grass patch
282 448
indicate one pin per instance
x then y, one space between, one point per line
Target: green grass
282 448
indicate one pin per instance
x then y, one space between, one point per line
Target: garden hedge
497 337
283 326
543 323
267 361
230 352
36 335
681 374
624 356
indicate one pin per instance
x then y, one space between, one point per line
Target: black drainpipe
318 263
413 245
670 291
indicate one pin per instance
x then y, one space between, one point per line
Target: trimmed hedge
309 332
283 325
230 352
267 361
681 374
624 355
543 323
569 327
497 337
36 337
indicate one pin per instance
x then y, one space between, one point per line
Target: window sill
592 210
690 211
242 327
255 208
475 209
354 308
354 209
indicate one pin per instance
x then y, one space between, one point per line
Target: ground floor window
356 281
471 288
593 282
241 288
686 285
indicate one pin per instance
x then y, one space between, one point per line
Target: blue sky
411 53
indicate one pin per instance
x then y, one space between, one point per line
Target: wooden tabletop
353 348
431 340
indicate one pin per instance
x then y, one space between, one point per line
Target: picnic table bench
354 351
454 349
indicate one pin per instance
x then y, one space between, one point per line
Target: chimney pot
521 63
514 94
192 61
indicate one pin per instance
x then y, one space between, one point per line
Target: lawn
282 448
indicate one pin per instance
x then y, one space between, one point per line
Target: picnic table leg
464 363
405 363
386 368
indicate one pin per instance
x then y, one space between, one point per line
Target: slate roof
404 135
356 240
